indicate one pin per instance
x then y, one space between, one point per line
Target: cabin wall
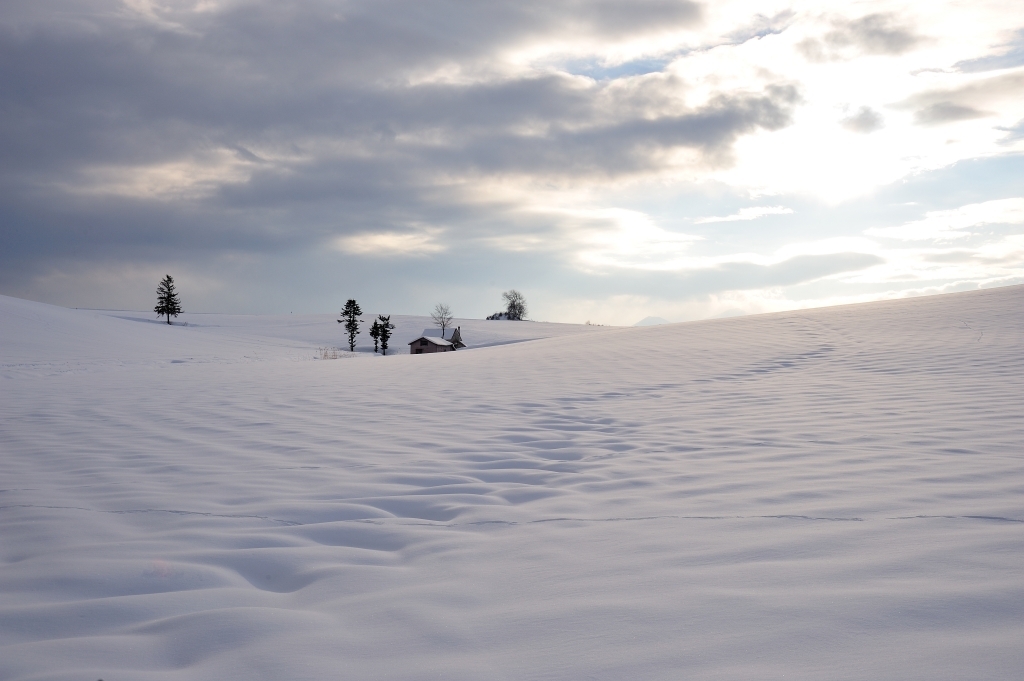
429 348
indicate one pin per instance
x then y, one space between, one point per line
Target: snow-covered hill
40 337
833 493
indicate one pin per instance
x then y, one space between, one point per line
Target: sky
610 160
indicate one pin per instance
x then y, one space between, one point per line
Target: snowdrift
833 493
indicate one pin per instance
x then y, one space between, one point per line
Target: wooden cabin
427 344
453 336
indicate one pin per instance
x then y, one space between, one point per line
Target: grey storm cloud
324 105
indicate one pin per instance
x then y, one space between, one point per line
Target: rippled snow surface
826 494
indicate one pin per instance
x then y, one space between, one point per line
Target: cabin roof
433 339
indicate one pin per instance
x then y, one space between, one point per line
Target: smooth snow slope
829 494
44 338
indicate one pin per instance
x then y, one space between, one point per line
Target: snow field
832 493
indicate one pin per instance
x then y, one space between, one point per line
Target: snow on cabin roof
433 339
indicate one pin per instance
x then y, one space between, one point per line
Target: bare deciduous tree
515 304
442 316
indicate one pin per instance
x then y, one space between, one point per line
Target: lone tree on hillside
515 304
350 318
167 302
384 328
375 335
442 316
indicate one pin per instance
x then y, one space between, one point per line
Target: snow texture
826 494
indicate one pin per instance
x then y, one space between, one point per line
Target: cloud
945 105
1014 133
879 33
308 145
945 225
628 239
873 34
946 112
260 123
615 19
1011 55
389 244
751 213
195 177
866 120
800 269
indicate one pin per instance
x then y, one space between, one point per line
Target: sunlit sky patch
611 160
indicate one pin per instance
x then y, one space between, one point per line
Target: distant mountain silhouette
651 321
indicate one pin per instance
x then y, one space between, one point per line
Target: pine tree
350 318
375 335
167 302
385 332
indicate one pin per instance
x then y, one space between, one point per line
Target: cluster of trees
169 305
515 306
380 331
